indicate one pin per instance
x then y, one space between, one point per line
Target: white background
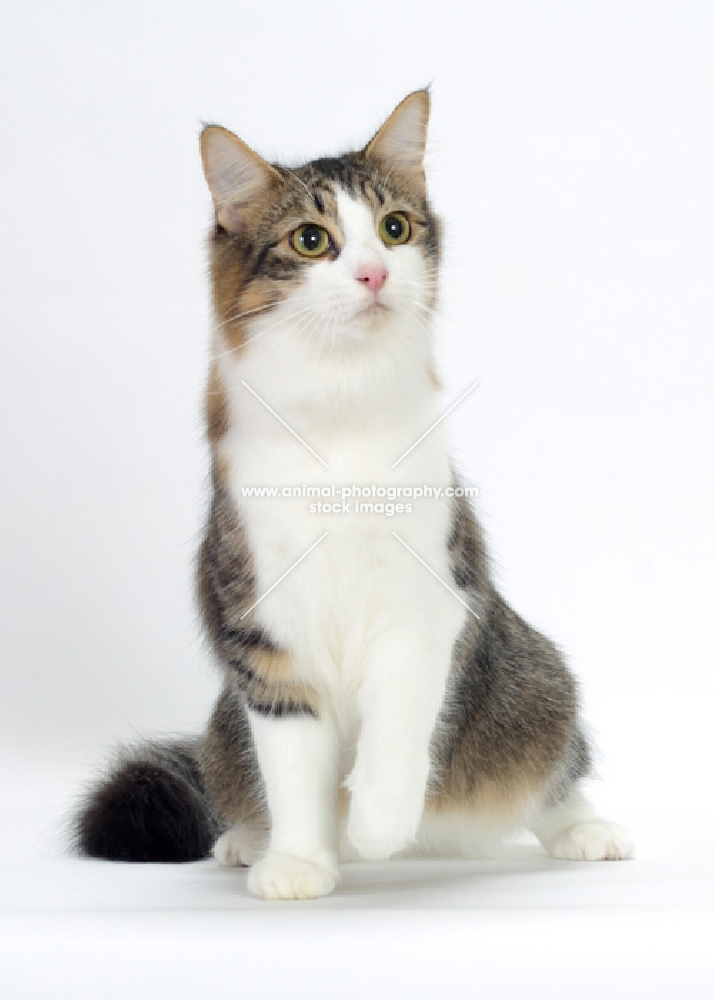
572 158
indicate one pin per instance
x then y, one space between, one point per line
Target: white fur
463 833
241 845
283 876
298 760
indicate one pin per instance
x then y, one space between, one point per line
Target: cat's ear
236 176
401 141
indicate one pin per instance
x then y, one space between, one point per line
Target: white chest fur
360 578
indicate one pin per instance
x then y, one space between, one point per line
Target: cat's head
338 250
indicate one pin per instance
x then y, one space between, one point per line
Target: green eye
310 241
395 229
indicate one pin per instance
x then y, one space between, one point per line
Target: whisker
420 322
427 309
285 319
262 333
296 328
247 312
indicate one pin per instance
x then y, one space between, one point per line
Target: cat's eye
394 229
310 240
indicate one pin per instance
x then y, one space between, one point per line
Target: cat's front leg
298 763
400 699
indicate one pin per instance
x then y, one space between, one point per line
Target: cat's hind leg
570 830
242 844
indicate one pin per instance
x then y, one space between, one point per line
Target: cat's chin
370 318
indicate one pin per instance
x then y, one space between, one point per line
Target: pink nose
373 276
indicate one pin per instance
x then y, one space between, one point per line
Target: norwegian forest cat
380 696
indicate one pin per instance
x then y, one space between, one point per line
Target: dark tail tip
150 809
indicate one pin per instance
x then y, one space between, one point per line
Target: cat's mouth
373 312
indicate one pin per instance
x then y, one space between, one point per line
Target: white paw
282 876
593 840
379 824
240 845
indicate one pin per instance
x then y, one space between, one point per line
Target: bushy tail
150 805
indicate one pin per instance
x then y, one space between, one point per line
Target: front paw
381 824
284 876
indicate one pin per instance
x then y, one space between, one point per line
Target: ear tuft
401 141
235 175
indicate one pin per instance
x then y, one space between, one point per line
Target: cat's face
330 253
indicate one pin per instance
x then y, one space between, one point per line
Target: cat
380 697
